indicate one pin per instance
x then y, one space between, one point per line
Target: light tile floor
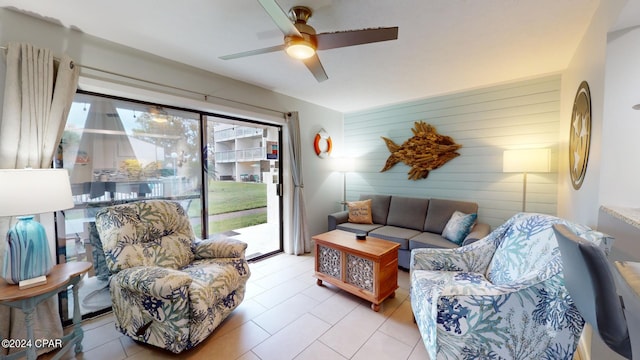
284 315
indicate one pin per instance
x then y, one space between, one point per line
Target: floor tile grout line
330 326
318 337
304 285
311 314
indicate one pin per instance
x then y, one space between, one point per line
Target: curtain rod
206 97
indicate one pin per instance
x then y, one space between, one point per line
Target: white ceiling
443 45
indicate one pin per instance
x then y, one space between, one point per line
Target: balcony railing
247 131
237 132
226 156
251 154
222 135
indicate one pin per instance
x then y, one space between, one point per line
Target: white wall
599 63
620 168
620 146
321 188
588 63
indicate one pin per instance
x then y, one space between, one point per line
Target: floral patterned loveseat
167 289
502 297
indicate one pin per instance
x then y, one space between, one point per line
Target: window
118 150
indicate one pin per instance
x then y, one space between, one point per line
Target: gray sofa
411 222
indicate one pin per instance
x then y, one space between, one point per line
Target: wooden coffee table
366 268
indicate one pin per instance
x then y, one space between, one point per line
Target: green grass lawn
236 223
227 196
220 226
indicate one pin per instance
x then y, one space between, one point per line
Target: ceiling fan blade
253 52
355 37
315 66
279 17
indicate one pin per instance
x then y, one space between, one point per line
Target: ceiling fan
301 40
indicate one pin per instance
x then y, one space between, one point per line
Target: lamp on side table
25 193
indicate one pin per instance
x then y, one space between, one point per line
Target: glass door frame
205 183
59 218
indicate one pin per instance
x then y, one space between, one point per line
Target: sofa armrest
479 231
220 248
158 282
337 218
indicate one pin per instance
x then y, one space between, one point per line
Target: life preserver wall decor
580 135
322 144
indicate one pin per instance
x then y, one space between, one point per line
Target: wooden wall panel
485 122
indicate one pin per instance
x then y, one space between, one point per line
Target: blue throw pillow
459 227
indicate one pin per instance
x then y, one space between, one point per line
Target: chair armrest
470 310
486 290
156 281
471 258
220 248
479 231
337 218
499 301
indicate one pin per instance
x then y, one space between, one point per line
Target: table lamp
25 193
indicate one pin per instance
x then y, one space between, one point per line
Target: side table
60 278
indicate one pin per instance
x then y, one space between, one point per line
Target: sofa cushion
396 234
407 212
440 212
358 228
430 240
360 211
458 227
379 207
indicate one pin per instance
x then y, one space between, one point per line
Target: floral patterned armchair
502 297
167 289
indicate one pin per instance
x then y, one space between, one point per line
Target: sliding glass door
243 183
224 171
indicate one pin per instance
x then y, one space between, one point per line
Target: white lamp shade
343 164
526 160
34 191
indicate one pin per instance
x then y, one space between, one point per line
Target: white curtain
300 234
37 97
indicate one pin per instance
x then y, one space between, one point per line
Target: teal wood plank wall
485 122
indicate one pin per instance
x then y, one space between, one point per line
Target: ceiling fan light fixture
301 40
158 114
299 48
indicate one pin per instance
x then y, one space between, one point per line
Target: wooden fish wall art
426 150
